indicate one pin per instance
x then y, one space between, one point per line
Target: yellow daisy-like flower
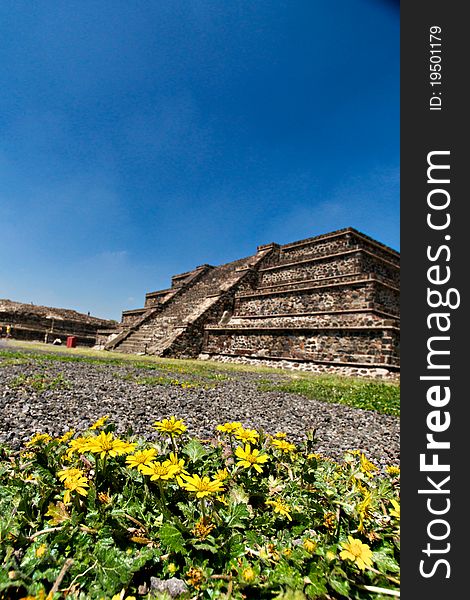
141 458
172 426
364 510
393 470
39 438
248 574
248 458
395 512
367 467
79 445
105 444
249 436
280 507
313 455
230 427
67 435
202 486
75 484
157 470
280 435
283 446
310 545
178 463
221 474
41 550
100 422
357 552
71 473
202 529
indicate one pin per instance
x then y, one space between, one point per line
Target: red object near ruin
71 341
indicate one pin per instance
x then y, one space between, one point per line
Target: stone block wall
38 323
370 346
331 299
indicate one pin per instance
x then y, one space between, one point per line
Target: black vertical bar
434 120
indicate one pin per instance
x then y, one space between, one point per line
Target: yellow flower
393 470
172 568
283 446
195 577
395 512
248 574
38 438
314 455
203 486
247 435
99 423
178 463
364 509
157 470
202 529
329 521
310 545
357 552
281 435
67 435
39 596
27 455
280 507
105 444
79 445
330 555
70 474
221 474
248 458
41 550
230 427
104 498
121 596
75 484
173 426
141 458
367 467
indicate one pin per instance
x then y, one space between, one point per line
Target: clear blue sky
141 139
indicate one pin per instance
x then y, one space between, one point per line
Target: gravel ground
97 390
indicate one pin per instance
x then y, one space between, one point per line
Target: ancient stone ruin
43 323
328 300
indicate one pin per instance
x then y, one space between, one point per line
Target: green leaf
172 538
194 450
339 582
208 547
316 589
385 561
237 514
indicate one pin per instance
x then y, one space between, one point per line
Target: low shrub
242 515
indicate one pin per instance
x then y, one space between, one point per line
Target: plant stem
203 509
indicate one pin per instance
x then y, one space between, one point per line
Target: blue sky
141 139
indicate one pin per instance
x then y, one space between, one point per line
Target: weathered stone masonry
332 300
40 323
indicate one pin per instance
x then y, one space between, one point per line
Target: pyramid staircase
157 328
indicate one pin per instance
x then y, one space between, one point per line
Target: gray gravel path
97 390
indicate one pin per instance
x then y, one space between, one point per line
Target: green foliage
80 516
40 382
358 393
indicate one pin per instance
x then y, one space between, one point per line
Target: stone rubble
96 390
